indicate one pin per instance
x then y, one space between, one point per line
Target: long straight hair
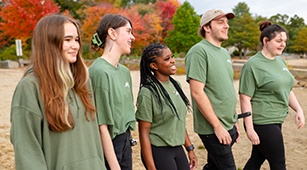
148 80
56 75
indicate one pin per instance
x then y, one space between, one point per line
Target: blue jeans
219 155
123 151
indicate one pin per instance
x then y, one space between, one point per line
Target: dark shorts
122 147
220 156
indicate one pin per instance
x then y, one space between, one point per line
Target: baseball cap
214 14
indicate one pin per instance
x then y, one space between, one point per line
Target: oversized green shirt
38 148
268 83
171 131
113 96
212 66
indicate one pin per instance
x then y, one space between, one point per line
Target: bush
237 53
8 53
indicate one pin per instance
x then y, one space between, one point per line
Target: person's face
124 38
71 44
218 30
164 65
276 46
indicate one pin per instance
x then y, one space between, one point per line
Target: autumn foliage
19 17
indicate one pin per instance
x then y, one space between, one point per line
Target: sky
265 8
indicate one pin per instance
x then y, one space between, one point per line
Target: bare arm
248 121
108 148
203 103
144 128
191 154
299 116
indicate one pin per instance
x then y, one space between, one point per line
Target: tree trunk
245 49
240 52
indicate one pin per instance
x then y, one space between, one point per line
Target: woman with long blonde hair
53 113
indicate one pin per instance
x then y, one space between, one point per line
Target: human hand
238 132
299 116
193 159
223 135
253 137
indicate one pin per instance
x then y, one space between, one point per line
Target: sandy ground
295 140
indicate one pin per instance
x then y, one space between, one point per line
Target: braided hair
148 80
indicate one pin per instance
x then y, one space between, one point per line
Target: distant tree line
164 21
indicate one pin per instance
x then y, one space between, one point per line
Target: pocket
88 164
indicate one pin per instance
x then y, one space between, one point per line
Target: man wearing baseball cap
210 75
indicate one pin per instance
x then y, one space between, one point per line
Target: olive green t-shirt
171 131
268 83
113 96
212 66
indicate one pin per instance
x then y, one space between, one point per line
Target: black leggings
271 147
169 158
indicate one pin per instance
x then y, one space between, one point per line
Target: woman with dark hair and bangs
53 112
113 90
161 113
266 92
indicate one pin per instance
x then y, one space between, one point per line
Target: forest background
154 21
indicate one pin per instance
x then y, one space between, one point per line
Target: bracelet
190 148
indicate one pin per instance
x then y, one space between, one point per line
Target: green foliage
241 9
8 53
243 33
127 3
70 5
300 43
87 54
184 35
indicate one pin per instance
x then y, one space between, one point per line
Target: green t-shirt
212 66
36 147
268 83
113 96
171 132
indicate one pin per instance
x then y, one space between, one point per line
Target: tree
300 43
184 35
243 32
294 26
19 17
241 9
167 9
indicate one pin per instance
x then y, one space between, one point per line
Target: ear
153 66
206 28
265 41
112 33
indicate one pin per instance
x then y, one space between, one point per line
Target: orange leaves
19 17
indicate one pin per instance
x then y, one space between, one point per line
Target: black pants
271 147
123 151
169 158
220 156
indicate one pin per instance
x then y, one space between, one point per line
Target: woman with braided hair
161 113
113 90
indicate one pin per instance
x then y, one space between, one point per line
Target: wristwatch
190 148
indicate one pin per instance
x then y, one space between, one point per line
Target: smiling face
164 65
71 44
276 46
217 31
124 38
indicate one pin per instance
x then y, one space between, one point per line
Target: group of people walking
65 116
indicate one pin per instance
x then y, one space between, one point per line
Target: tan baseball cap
214 14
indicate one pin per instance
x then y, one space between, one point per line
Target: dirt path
295 140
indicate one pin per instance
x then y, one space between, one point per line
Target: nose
226 25
132 37
173 60
283 44
75 45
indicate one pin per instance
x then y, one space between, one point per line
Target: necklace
168 86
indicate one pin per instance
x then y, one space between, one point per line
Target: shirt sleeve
247 83
26 129
196 66
144 106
